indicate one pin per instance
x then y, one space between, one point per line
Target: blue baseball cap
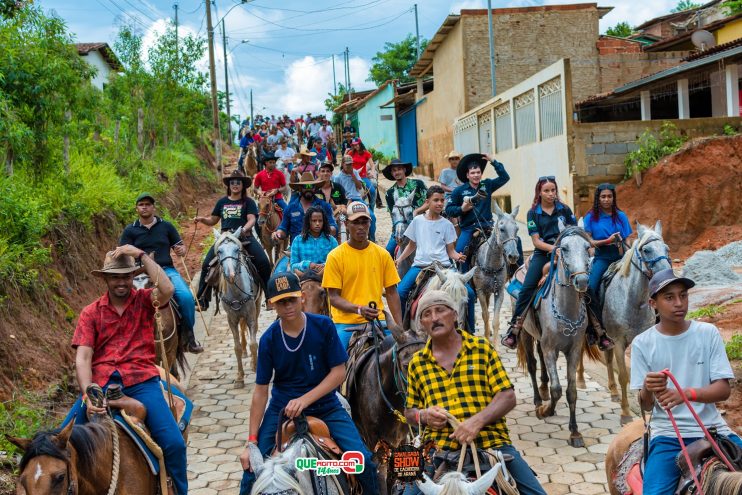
665 277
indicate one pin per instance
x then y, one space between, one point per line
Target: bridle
267 214
237 304
570 326
648 263
560 259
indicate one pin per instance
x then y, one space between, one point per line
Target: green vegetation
706 312
396 61
734 347
620 30
732 7
46 100
730 130
685 5
652 148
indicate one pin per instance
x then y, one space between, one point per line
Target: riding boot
203 295
379 204
191 344
510 340
595 332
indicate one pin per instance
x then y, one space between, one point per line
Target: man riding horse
399 171
153 234
303 357
114 342
293 216
461 376
270 181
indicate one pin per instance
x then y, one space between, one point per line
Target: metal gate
407 135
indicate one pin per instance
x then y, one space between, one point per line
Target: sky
282 50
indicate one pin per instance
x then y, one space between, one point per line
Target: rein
649 263
269 213
571 326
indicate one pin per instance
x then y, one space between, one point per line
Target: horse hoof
239 384
615 397
626 419
581 384
543 411
576 440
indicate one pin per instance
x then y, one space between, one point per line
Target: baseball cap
665 277
282 285
347 159
358 209
356 141
143 196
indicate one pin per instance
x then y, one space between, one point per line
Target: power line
354 7
140 11
131 17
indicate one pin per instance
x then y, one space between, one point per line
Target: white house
100 56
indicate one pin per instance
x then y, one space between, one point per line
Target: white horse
402 214
453 283
455 483
240 296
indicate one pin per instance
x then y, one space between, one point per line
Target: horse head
228 248
573 255
277 475
265 205
141 281
454 283
650 248
455 483
401 214
506 233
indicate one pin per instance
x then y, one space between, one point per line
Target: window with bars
550 108
503 129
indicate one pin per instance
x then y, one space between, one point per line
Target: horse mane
224 237
625 266
453 484
276 472
718 480
85 439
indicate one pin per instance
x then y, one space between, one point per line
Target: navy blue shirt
158 238
547 226
603 228
293 217
482 211
296 373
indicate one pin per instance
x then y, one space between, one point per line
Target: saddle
417 292
314 428
360 351
516 283
478 238
609 274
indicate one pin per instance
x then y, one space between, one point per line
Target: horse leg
555 391
484 302
496 316
611 378
574 357
253 327
581 373
234 327
243 338
531 364
543 390
623 380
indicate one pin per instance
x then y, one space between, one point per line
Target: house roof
355 99
711 51
664 45
106 52
674 15
425 63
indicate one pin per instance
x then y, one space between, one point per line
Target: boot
203 295
510 340
191 344
379 204
595 332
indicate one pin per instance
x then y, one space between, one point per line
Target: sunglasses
607 186
546 177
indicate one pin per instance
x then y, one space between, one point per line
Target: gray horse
450 281
240 295
626 311
560 328
493 257
402 214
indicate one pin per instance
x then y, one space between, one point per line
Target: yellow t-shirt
361 275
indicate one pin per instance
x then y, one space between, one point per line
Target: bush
730 130
734 347
706 312
653 148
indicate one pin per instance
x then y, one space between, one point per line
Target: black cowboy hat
268 156
467 161
397 163
237 175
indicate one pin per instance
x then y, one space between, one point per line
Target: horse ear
561 225
658 227
256 458
480 486
468 275
21 443
428 486
515 211
238 232
397 330
63 436
217 234
497 209
640 229
439 271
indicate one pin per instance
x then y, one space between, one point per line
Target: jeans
160 422
408 283
661 464
342 430
465 239
391 246
183 297
282 204
598 268
525 480
371 192
345 336
534 274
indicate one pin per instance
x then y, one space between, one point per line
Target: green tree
620 30
685 5
396 61
333 101
733 7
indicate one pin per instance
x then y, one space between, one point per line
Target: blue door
407 133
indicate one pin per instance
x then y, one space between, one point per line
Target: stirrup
605 343
510 340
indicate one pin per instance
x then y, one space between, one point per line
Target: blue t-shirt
605 227
296 373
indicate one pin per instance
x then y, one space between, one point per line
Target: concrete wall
103 70
729 32
599 149
435 115
376 133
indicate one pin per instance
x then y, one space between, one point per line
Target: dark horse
377 387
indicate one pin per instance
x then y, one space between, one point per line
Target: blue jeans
408 283
598 268
160 422
345 336
183 296
371 192
462 243
391 246
661 464
282 204
526 481
342 430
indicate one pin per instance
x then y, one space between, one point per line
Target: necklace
303 334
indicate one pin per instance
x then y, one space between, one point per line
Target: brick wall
618 68
607 44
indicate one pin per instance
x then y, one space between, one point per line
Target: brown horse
270 220
251 160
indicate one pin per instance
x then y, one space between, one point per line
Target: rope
163 352
156 449
116 457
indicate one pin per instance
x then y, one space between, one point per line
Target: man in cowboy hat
306 164
270 181
399 171
115 344
329 190
351 181
472 200
293 216
448 179
153 234
234 210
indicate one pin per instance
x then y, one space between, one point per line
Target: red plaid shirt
122 343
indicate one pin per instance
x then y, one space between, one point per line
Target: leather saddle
478 238
313 429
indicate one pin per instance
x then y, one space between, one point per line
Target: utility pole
347 72
417 34
175 6
214 103
492 47
252 121
226 81
334 80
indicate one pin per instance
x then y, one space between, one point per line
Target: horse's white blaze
38 472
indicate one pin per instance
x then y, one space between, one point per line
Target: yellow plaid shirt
476 377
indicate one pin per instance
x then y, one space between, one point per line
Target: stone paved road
219 428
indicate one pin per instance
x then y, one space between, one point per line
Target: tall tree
620 30
685 5
396 61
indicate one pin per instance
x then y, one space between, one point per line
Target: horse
313 294
270 220
715 477
402 214
626 311
559 325
170 327
251 160
376 387
493 258
240 296
455 483
453 283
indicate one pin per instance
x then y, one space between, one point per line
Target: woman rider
309 250
608 226
543 227
234 210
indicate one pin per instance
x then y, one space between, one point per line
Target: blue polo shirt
295 373
293 216
604 227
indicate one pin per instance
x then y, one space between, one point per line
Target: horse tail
591 351
525 347
181 363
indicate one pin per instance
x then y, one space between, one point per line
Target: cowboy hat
468 161
453 154
116 266
307 179
237 175
268 157
305 151
397 163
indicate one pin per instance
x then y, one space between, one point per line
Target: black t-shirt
158 238
547 226
233 212
338 195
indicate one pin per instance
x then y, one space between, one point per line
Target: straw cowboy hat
304 151
453 154
307 179
237 175
116 266
397 163
471 159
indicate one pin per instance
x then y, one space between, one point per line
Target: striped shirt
313 250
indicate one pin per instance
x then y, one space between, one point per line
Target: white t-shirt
696 358
431 238
285 154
